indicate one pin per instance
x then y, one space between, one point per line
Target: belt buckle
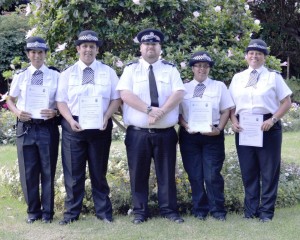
150 130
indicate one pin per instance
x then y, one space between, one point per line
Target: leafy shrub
7 127
13 29
118 179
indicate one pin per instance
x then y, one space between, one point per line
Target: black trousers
260 168
203 157
77 148
141 147
37 146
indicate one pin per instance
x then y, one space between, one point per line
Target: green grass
284 226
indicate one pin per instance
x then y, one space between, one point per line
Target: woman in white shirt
260 91
203 153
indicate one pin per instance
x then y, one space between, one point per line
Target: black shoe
176 219
46 220
265 219
32 220
67 221
138 220
201 217
220 218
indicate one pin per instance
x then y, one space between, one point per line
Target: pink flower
284 64
183 65
257 22
230 53
61 47
119 64
196 14
28 10
218 9
137 2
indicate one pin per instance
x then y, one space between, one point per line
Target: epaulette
132 62
168 63
21 70
273 70
54 68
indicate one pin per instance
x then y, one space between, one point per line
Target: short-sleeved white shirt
70 85
215 92
135 79
264 98
23 79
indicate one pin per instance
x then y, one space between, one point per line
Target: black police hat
36 43
150 35
258 45
88 36
201 56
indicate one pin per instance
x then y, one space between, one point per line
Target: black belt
37 121
150 130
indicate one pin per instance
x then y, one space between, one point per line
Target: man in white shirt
89 78
151 90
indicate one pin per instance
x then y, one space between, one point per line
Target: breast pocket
212 97
103 85
164 85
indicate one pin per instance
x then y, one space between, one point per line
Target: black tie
199 90
153 88
88 76
37 78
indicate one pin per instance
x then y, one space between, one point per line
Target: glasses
204 66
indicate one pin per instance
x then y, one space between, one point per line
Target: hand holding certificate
200 115
251 135
90 112
37 99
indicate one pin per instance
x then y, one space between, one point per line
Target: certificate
37 99
251 135
90 112
200 115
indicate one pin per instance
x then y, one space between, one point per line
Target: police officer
37 138
258 90
151 90
203 153
87 77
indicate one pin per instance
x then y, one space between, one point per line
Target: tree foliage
223 28
281 28
13 29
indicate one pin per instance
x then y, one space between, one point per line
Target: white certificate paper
251 135
37 99
200 115
90 112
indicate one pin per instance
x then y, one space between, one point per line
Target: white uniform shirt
23 79
215 92
265 98
135 79
70 85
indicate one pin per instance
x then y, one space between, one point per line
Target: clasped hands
155 115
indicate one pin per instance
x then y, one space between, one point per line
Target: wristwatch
274 119
149 109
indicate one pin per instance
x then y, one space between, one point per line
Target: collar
32 69
82 65
146 64
259 70
205 82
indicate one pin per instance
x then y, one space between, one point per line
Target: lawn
284 226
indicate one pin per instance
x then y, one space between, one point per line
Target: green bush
7 127
13 29
118 178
